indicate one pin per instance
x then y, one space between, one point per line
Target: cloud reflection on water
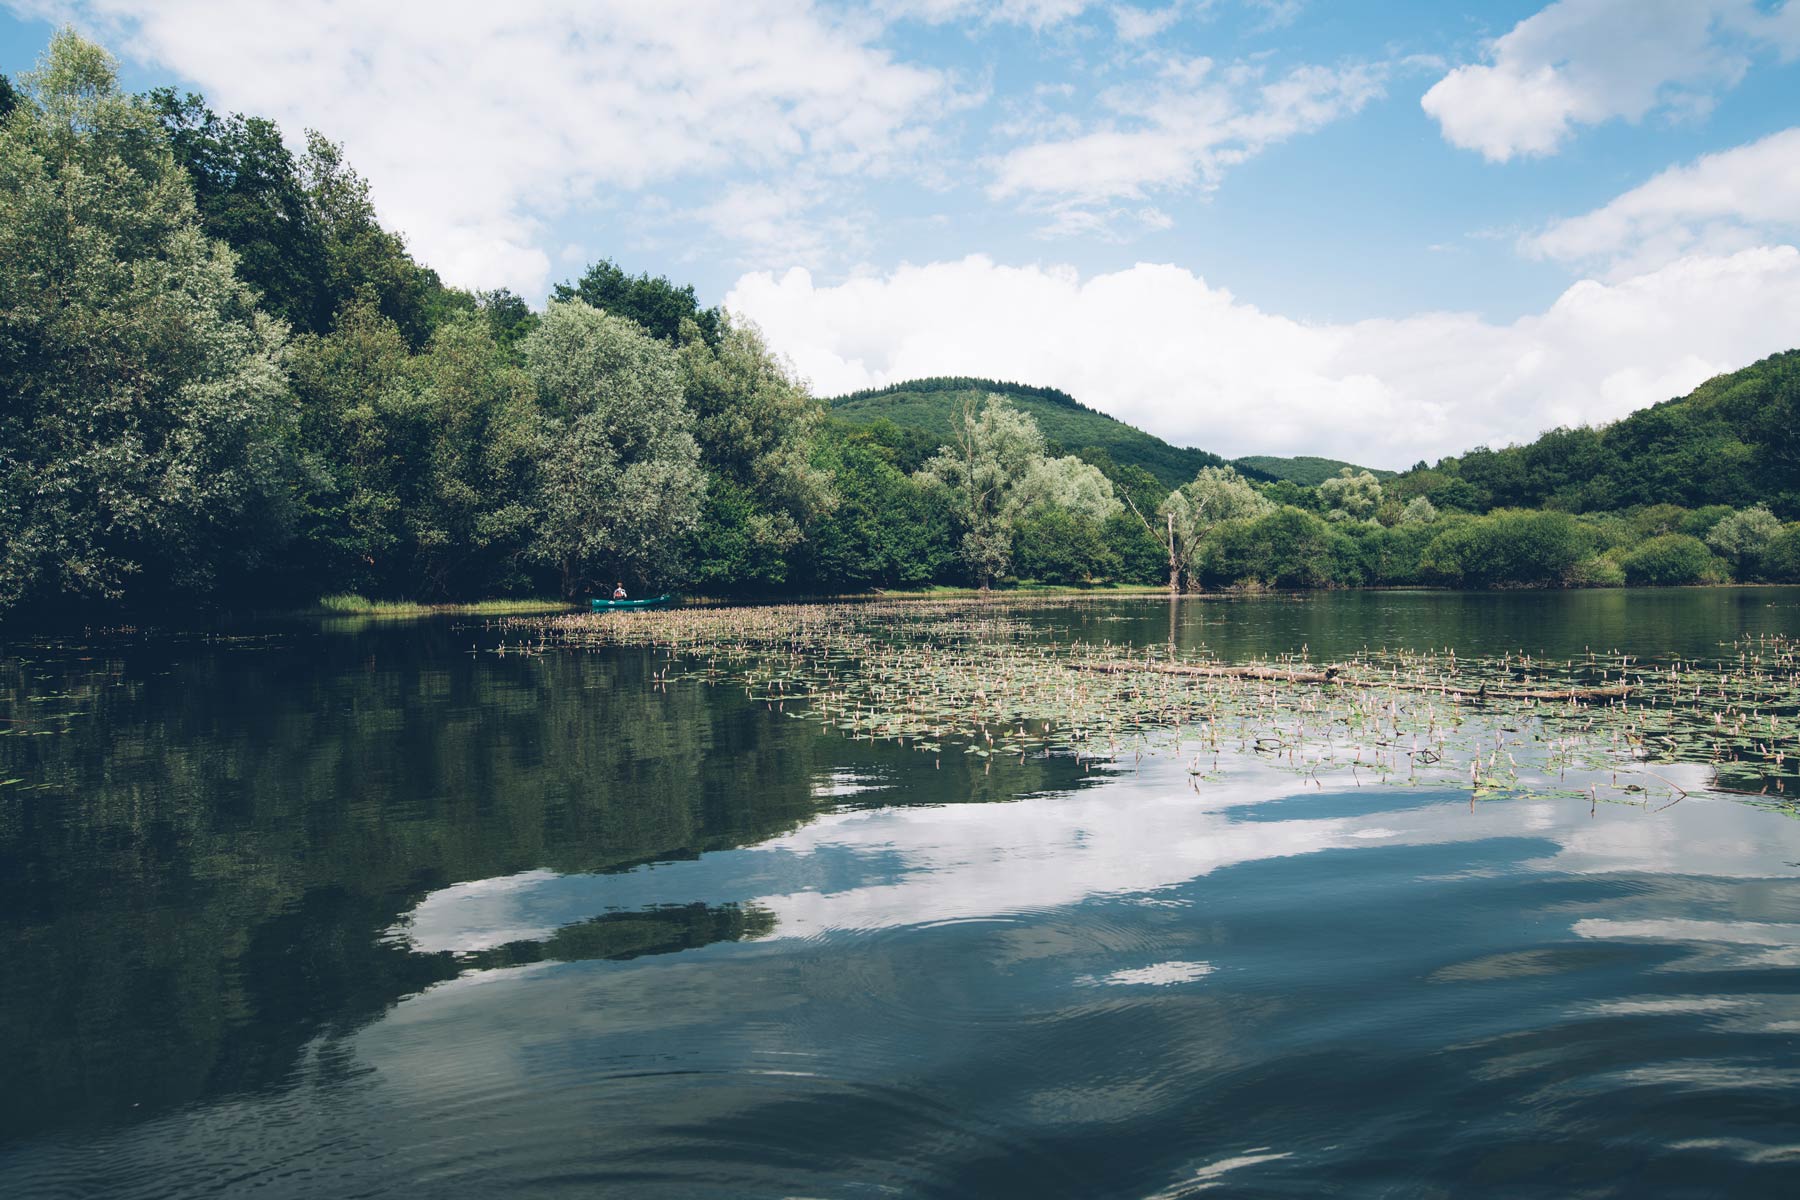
1142 832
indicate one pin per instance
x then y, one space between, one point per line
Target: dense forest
226 383
1732 441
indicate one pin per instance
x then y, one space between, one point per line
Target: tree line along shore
227 384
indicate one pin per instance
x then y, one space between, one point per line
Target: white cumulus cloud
1035 13
476 123
1583 62
1746 196
1179 131
1134 24
1159 347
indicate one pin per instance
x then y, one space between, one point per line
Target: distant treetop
654 302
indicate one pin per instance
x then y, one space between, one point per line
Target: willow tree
1418 511
1741 537
143 404
619 471
981 473
1191 511
1070 484
1351 495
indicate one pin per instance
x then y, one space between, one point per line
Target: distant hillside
1303 469
1733 440
1069 425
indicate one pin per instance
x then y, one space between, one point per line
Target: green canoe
603 605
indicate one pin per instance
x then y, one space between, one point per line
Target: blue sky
1382 231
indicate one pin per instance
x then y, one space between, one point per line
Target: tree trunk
1174 563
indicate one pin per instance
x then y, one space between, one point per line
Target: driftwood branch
1334 675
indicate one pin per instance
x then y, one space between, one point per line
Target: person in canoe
618 591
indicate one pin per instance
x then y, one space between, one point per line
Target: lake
354 907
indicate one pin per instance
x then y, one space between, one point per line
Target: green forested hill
1733 440
1068 425
1305 469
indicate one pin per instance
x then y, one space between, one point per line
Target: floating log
1334 675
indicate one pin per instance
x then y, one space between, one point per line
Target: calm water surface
367 908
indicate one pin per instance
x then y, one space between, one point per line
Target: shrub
1599 571
1391 556
1288 548
1507 548
1654 520
1740 538
1673 558
1702 521
1781 557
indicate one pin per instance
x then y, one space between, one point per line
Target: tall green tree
755 424
366 431
619 477
508 318
1070 484
979 475
1286 547
362 260
421 466
1187 514
1781 557
472 523
248 189
884 530
1064 546
145 408
1061 531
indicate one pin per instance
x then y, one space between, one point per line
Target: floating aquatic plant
978 678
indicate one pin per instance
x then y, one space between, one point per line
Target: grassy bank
348 604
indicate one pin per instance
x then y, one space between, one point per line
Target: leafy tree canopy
143 432
1741 537
248 189
1351 495
1216 495
980 475
652 301
364 260
620 483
